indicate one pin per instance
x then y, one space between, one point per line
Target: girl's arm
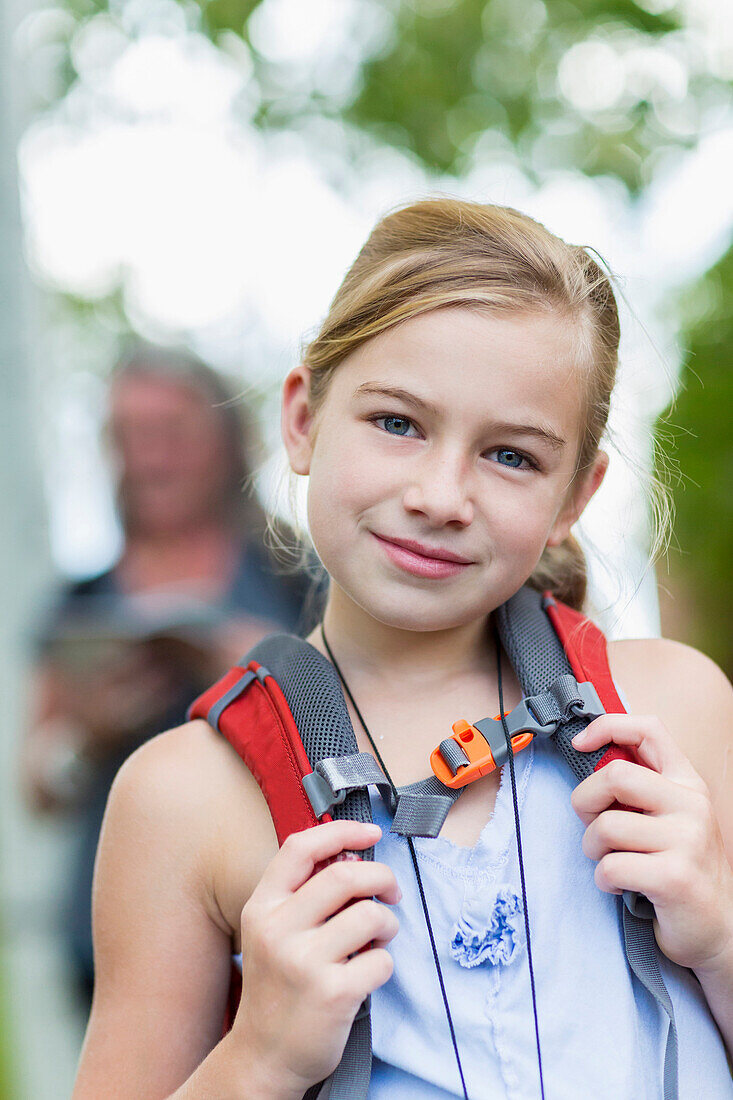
679 851
163 948
161 955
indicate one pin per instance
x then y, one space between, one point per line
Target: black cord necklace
418 877
413 856
512 776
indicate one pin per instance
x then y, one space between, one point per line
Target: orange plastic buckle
478 751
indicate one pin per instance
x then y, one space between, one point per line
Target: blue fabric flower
486 934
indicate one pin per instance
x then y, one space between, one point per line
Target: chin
421 616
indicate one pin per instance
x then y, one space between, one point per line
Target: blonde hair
445 252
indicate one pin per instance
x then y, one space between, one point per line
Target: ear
576 504
296 420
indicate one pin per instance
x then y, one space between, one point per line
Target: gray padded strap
537 655
538 658
316 701
642 954
350 1079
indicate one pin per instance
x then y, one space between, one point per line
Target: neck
363 644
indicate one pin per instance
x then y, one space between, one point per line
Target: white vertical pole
42 1052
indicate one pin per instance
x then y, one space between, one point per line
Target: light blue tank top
602 1035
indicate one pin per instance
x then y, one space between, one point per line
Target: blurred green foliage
704 450
450 72
603 86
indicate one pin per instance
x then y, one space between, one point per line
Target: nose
439 489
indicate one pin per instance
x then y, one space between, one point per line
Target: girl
449 415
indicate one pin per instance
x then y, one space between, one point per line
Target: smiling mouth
420 560
431 553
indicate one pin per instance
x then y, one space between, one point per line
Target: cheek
522 521
333 495
344 478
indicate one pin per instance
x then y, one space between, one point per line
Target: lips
432 553
431 563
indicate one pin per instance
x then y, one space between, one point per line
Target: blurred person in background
122 654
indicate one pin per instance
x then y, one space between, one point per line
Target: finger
302 852
622 831
628 784
335 886
646 734
646 874
368 970
366 922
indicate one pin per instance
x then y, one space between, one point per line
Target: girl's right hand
309 958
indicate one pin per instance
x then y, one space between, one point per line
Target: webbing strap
423 807
340 775
420 809
642 953
215 712
350 1079
538 657
558 702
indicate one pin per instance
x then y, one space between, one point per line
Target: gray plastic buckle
320 795
523 720
519 720
592 705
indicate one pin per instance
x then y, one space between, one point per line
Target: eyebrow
399 395
540 431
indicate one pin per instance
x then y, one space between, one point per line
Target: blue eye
513 459
395 425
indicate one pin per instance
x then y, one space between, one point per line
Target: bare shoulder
194 797
657 672
185 837
690 694
178 772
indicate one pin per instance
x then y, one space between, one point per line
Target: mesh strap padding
539 659
313 692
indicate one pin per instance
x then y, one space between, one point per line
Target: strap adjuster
476 750
336 776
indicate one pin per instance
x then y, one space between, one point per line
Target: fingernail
580 738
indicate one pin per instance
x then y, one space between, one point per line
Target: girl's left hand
672 851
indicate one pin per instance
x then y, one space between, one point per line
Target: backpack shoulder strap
584 646
248 707
586 650
282 710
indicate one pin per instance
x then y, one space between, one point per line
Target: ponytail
563 570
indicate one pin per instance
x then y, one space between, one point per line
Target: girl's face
441 462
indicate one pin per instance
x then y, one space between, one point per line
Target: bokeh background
201 173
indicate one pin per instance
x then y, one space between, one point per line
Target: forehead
146 394
473 362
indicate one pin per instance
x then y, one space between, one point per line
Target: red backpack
283 710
